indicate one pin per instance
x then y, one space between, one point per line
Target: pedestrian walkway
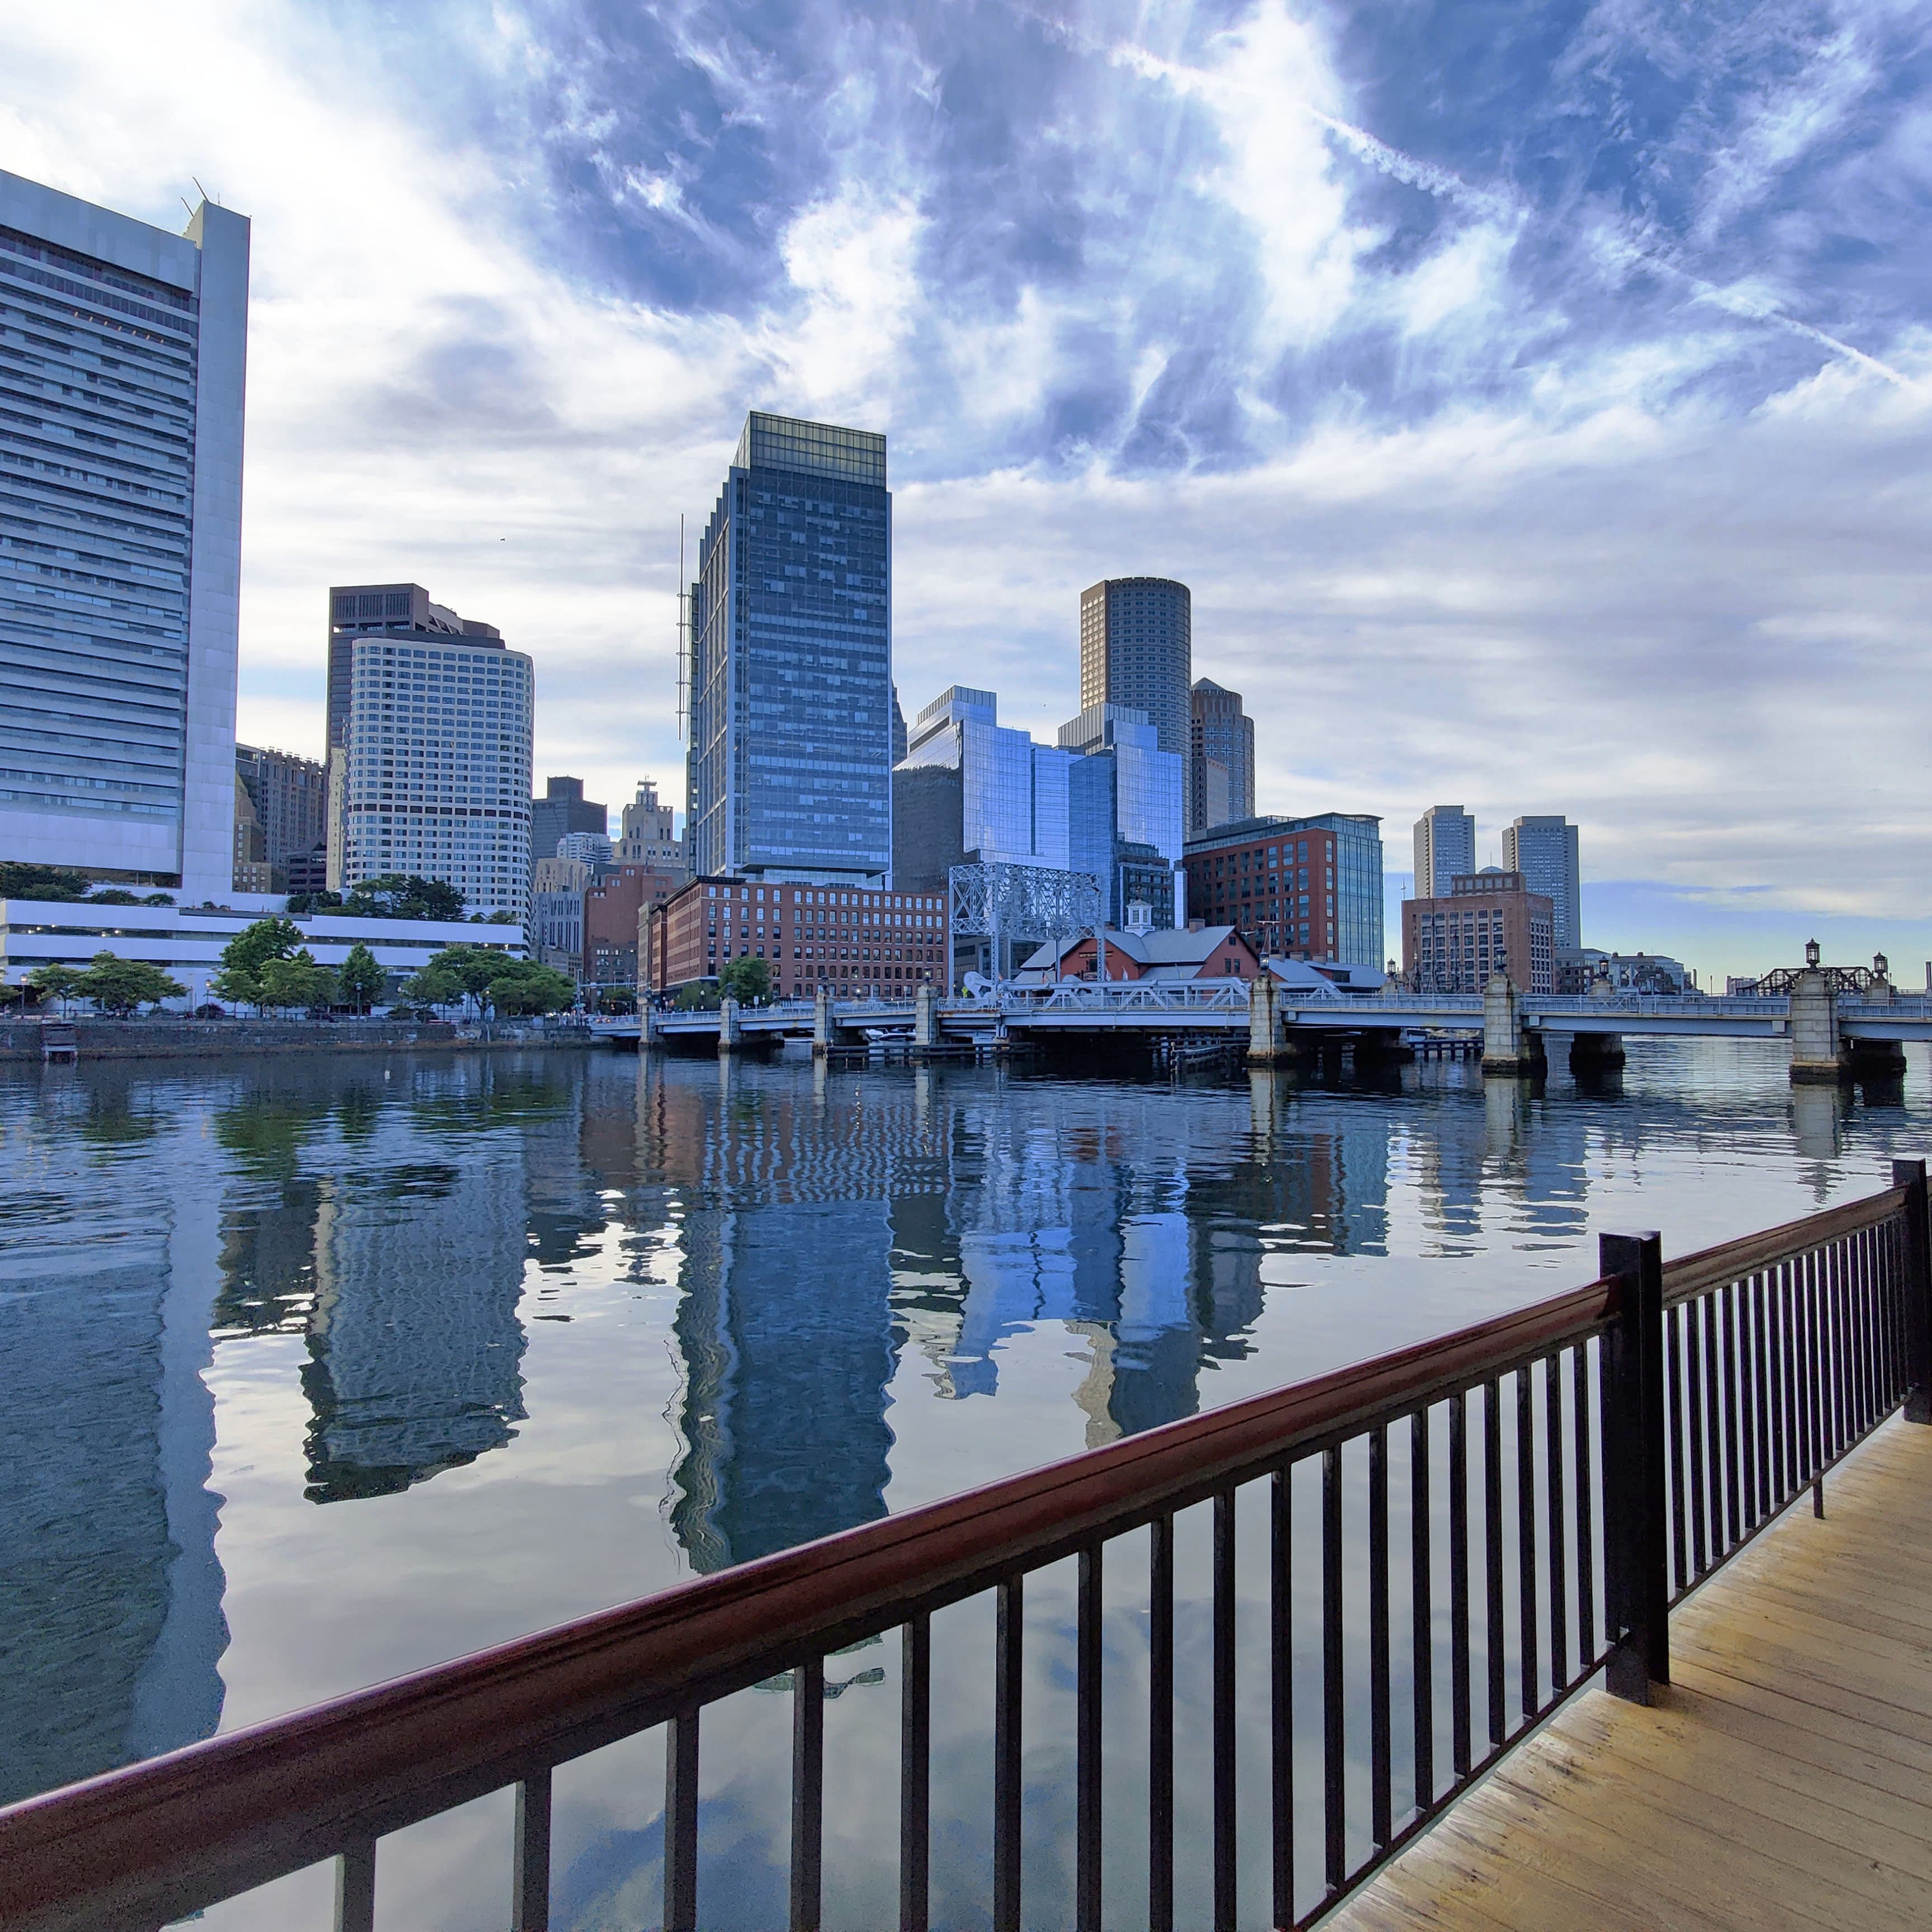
1782 1779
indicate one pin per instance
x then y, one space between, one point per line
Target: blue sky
1537 397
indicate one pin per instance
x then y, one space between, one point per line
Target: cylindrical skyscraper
1137 648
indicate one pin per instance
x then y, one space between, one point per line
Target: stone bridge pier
822 1030
1510 1050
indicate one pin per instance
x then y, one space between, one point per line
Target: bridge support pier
1268 1046
821 1023
1383 1046
925 1018
730 1034
648 1038
1817 1051
1596 1052
1510 1050
1873 1059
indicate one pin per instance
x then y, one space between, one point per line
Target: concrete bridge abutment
822 1029
1817 1049
925 1018
1596 1052
730 1032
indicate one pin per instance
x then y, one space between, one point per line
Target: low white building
186 941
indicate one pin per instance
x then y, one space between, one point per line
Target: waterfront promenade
1779 1780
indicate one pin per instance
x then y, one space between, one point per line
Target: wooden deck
1784 1779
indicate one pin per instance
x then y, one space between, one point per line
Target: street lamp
1810 953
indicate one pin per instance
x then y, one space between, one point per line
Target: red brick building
1274 881
855 942
1489 923
1197 952
612 906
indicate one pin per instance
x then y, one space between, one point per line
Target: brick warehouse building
1293 888
612 906
1489 923
854 941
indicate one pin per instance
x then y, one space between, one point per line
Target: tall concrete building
563 810
1222 735
649 836
1445 849
1544 850
431 772
1137 649
290 798
124 356
789 774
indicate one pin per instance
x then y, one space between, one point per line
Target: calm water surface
317 1373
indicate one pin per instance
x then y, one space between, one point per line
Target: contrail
1496 203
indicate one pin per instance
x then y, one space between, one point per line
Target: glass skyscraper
789 768
1445 845
123 350
1127 807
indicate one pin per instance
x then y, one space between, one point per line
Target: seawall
170 1039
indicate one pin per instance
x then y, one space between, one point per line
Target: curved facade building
1137 649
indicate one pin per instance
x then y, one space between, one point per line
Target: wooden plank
1784 1783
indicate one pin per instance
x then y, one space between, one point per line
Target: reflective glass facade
1544 850
1012 792
121 352
790 767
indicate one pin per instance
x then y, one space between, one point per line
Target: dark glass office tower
789 768
1137 649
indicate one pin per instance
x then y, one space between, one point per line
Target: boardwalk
1783 1780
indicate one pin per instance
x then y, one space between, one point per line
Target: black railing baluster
1698 1375
1226 1871
1559 1608
1160 1725
1812 1376
1635 1535
1527 1593
1087 1747
808 1793
1855 1335
1841 1350
916 1773
1460 1717
1915 1292
1760 1466
1009 1667
1586 1495
1793 1425
529 1857
1673 1373
356 1888
680 1826
1733 1440
1334 1767
1381 1803
1494 1648
1281 1678
1422 1618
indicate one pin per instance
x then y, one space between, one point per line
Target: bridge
1832 1034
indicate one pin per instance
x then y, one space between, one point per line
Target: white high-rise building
1445 846
435 766
123 349
648 837
1544 850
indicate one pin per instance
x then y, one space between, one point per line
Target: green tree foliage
432 985
19 881
252 948
314 902
747 981
523 987
694 996
295 983
122 985
113 895
494 980
361 978
60 983
404 895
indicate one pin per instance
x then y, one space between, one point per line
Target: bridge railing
1390 1574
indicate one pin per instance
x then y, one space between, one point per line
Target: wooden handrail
1733 1261
233 1811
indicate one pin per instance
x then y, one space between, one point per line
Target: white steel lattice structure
1003 902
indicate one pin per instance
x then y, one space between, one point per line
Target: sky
1537 398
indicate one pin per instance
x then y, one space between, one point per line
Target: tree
404 896
361 978
251 949
61 983
21 881
747 981
113 895
521 987
120 986
314 901
295 981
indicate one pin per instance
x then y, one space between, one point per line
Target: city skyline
1571 396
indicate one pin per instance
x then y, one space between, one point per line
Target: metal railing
1443 1544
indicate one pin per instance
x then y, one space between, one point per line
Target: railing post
1636 1586
1910 1175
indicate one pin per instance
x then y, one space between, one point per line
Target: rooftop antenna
683 638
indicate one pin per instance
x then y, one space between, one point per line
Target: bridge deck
1783 1780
